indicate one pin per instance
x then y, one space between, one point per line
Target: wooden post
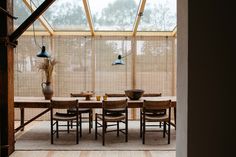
134 53
6 81
8 40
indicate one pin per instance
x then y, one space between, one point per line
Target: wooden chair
82 111
141 110
56 117
153 112
112 111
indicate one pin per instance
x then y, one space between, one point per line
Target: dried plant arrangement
47 66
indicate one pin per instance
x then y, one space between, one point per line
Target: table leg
22 118
29 121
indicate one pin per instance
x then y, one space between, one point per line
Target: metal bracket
5 41
7 13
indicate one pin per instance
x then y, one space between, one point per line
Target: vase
47 90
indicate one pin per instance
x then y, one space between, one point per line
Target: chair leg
68 127
140 123
103 132
175 116
105 126
96 128
144 129
77 130
169 133
90 120
160 124
51 131
57 129
80 125
118 128
126 130
164 130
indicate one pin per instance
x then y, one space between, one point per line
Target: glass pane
22 12
116 15
158 16
65 15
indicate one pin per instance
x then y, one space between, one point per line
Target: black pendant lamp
43 53
118 61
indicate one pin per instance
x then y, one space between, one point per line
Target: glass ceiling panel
66 15
113 15
159 15
22 12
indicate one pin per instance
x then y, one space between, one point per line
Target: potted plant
47 66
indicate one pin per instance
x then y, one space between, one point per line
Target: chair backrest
115 95
113 104
151 94
156 105
64 104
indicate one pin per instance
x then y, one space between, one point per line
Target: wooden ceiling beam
101 33
138 17
26 24
174 32
88 16
42 20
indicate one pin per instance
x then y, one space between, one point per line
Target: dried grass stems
47 66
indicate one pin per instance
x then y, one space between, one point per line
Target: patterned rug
37 137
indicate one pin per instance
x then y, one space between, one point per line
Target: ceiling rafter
138 17
42 20
88 16
174 32
102 33
29 21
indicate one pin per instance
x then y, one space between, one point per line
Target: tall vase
47 90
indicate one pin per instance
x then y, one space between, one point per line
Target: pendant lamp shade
118 61
43 53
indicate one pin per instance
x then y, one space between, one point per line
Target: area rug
38 138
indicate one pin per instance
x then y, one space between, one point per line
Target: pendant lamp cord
126 49
34 30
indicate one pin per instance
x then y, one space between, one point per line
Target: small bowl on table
134 94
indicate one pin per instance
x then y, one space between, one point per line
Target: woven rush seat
81 110
64 116
111 117
156 118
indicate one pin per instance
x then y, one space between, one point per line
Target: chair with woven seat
155 111
82 111
112 112
141 110
61 116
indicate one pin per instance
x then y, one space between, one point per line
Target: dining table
39 102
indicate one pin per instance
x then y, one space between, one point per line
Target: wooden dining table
40 102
